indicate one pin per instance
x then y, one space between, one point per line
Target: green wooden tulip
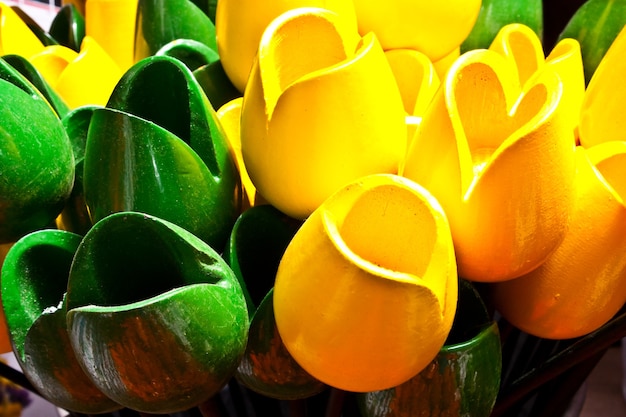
68 27
495 14
75 216
267 367
30 73
216 84
192 53
464 378
158 148
156 317
162 21
163 90
595 26
34 283
256 245
36 162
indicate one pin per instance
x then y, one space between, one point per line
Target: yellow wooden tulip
239 25
602 116
15 36
434 28
84 78
112 24
417 79
520 44
322 108
582 285
500 160
230 115
365 293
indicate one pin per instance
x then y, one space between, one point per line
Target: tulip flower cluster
300 195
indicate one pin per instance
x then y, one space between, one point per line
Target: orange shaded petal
582 285
501 163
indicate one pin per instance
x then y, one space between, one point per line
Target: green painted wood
68 27
192 53
36 163
256 245
155 316
464 378
162 21
75 216
158 148
216 84
34 281
30 73
495 14
595 25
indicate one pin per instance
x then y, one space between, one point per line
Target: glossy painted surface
503 165
366 291
158 319
216 84
495 14
192 53
464 378
267 367
37 163
575 291
254 250
169 158
75 216
30 73
240 25
68 27
34 282
161 21
295 93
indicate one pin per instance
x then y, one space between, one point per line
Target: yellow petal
317 114
500 162
602 117
366 291
239 25
520 44
582 285
112 24
433 28
85 78
15 36
52 61
230 115
416 77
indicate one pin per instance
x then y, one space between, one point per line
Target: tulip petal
366 291
581 285
490 140
602 118
296 127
